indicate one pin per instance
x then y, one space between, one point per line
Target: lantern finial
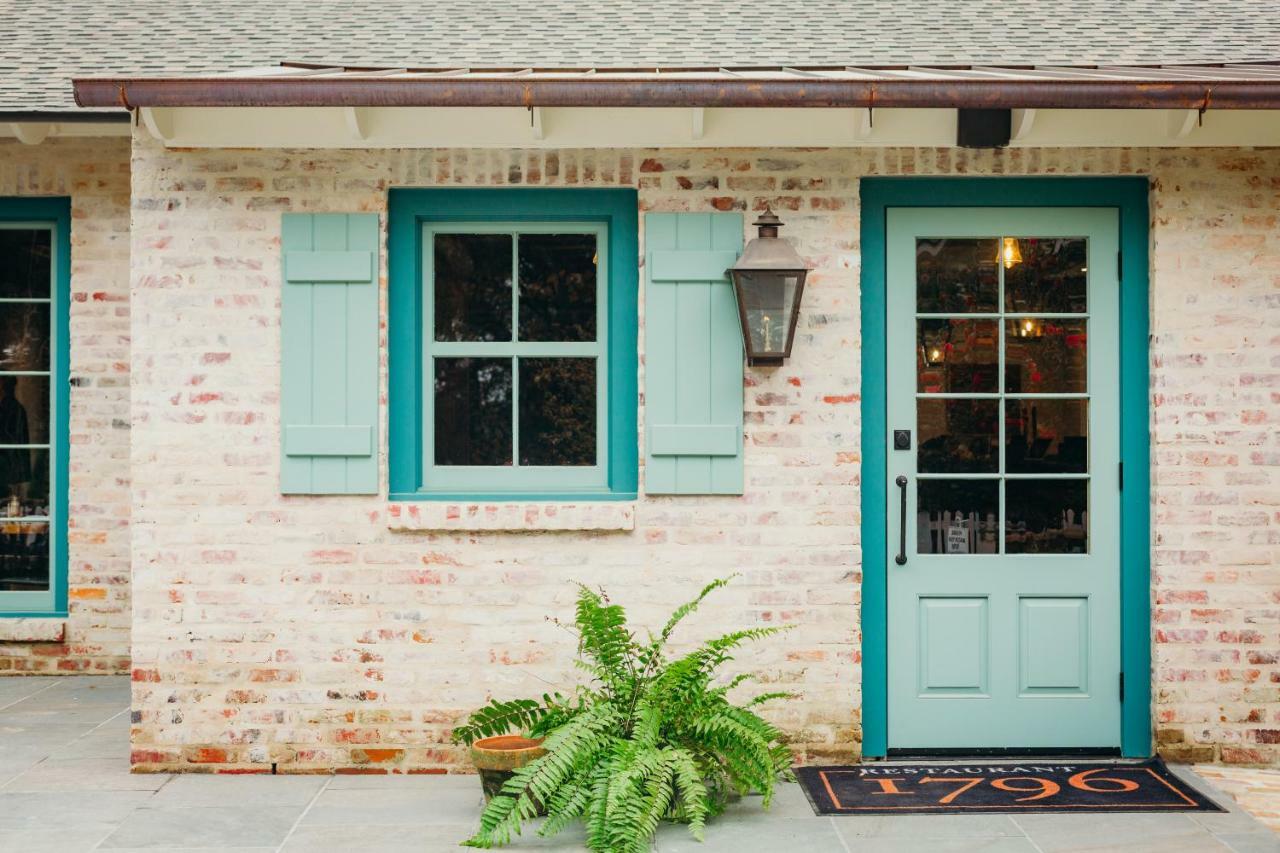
768 223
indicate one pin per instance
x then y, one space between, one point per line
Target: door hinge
1122 476
1122 687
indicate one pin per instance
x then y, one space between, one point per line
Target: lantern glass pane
768 299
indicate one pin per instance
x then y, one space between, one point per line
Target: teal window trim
412 213
54 213
1130 197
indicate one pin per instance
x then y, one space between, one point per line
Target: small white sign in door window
958 539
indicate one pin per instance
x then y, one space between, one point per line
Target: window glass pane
1046 517
24 410
24 556
1051 278
473 411
24 483
1046 436
957 276
557 411
957 356
472 287
25 263
24 336
1045 356
557 287
958 436
957 516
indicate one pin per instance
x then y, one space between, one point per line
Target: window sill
519 516
32 630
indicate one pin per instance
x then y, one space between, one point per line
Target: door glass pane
958 436
24 336
957 356
957 276
957 516
473 411
557 411
983 381
1046 436
1045 356
557 287
1051 278
1046 516
26 262
24 556
24 482
472 287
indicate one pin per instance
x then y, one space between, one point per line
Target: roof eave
617 91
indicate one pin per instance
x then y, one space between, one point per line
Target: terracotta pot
497 758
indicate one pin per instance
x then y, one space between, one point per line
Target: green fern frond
688 607
692 791
756 701
498 718
603 637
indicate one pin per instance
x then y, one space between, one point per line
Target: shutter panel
329 354
693 355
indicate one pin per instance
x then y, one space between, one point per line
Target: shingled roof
48 42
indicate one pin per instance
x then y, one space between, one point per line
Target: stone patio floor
65 785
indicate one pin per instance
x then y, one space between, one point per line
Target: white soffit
639 127
35 132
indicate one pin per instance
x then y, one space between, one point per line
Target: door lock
902 439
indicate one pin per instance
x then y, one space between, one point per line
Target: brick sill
32 630
520 517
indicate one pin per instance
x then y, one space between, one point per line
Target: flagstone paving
1257 791
65 787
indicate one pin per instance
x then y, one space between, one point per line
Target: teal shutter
329 354
693 355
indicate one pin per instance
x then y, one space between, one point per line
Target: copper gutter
428 90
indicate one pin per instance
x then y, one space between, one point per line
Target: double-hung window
32 405
518 387
517 335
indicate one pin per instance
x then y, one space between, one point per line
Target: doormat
1010 787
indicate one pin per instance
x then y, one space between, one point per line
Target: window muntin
517 399
27 418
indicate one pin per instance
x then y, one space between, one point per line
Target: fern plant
649 738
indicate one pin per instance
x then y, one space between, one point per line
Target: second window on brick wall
514 349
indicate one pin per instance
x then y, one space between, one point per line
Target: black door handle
901 559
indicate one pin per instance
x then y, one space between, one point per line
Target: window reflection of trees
1052 278
25 332
956 275
556 281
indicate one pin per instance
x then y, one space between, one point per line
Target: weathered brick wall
1216 517
341 632
95 174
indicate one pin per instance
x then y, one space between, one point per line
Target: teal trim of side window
411 211
54 213
1130 197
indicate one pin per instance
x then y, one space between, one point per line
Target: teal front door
1003 516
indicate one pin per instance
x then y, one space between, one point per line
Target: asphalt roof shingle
44 43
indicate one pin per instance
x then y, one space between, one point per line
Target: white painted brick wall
305 632
94 173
